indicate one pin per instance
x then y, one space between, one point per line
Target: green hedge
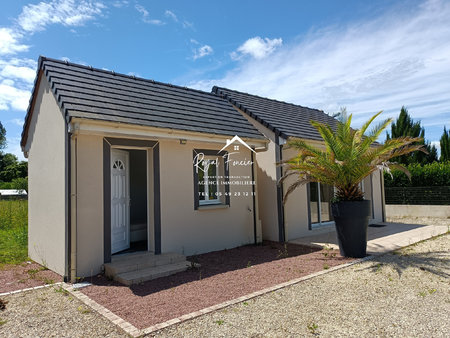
433 174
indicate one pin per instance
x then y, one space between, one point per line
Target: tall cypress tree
406 126
445 146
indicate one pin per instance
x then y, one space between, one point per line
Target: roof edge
27 119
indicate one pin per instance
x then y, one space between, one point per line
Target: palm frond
349 156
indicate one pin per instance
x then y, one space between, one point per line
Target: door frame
139 144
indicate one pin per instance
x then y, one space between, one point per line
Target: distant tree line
13 173
426 168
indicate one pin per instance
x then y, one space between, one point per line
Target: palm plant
348 157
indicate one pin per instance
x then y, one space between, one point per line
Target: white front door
120 201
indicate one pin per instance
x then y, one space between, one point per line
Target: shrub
432 174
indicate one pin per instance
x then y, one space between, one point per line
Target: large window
320 196
210 178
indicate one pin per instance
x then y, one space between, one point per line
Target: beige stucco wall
183 229
190 231
267 183
296 207
46 182
89 204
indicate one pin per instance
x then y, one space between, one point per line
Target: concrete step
139 276
140 261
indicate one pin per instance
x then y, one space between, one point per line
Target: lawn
13 231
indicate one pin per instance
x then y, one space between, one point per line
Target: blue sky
366 56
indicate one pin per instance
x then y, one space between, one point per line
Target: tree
445 146
350 156
11 168
20 183
2 137
406 126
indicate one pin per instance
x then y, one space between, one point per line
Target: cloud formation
202 52
10 42
257 48
171 15
146 17
35 17
399 58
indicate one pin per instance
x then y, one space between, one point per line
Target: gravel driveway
403 294
52 312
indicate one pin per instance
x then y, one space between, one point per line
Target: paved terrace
384 237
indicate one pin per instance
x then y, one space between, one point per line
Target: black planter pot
351 219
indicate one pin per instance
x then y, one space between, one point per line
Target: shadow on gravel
433 262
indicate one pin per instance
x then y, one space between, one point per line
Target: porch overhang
123 130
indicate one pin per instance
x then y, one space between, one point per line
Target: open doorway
138 200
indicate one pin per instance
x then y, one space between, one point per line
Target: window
210 178
320 196
208 182
118 164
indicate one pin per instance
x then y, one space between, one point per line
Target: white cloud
145 16
10 42
120 4
257 47
16 80
35 17
17 122
13 96
202 52
399 58
187 24
23 73
171 15
13 147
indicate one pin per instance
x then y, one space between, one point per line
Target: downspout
254 199
383 201
73 205
280 206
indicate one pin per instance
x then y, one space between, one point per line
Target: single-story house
121 164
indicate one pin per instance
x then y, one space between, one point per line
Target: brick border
135 332
220 306
29 289
112 317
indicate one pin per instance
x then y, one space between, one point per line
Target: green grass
13 231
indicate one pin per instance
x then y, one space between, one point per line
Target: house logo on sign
202 163
236 146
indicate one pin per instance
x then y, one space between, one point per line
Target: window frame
199 204
318 224
206 181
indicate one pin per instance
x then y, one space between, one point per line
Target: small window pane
326 194
201 185
313 199
212 178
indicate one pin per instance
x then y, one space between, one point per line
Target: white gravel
52 312
405 294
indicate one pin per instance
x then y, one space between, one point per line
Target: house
303 214
123 168
121 163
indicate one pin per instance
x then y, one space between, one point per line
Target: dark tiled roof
97 94
284 118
